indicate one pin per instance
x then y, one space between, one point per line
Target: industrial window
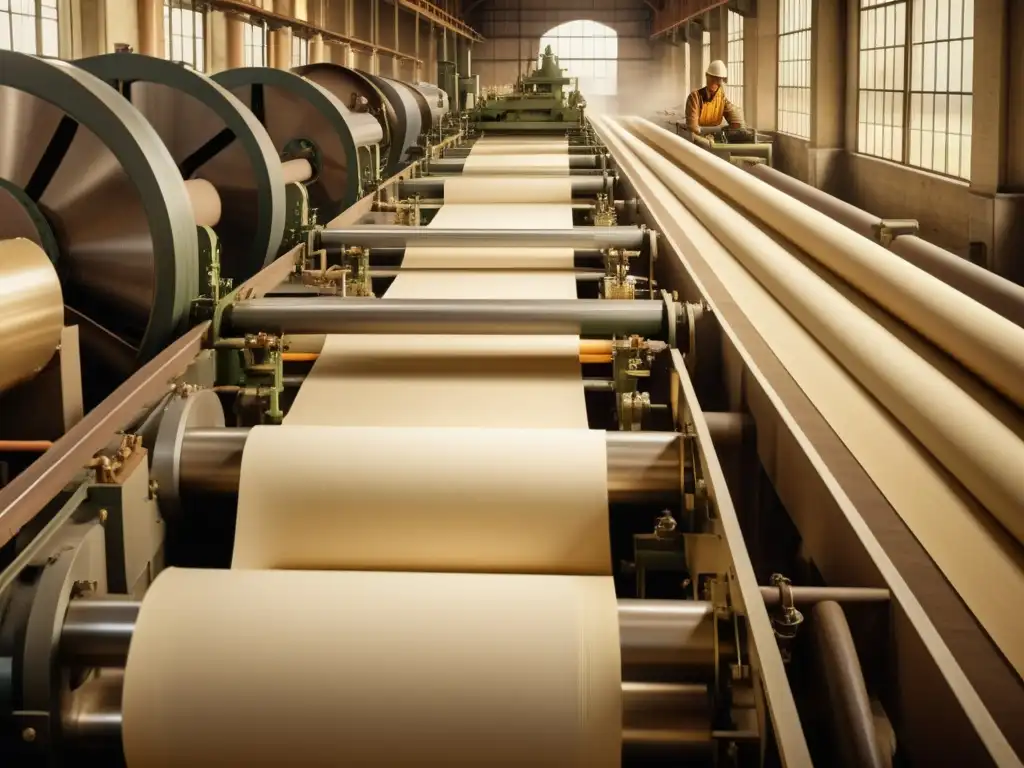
255 44
184 33
705 53
735 60
795 67
589 51
921 117
883 35
300 51
29 26
942 86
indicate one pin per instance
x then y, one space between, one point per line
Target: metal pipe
660 718
397 236
852 720
97 633
392 257
643 467
433 186
94 715
997 293
812 595
670 640
665 719
330 314
666 641
861 222
581 276
458 163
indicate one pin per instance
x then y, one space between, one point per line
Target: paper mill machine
758 623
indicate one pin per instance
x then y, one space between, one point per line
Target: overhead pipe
983 341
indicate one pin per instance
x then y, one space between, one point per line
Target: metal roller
437 101
664 717
643 467
409 120
666 640
79 160
456 164
395 236
212 136
302 117
433 186
360 93
31 310
331 314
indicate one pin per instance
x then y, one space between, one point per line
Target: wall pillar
828 94
764 65
719 20
995 227
151 28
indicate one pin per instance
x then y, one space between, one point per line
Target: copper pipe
25 446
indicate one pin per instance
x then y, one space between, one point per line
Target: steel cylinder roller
84 175
213 138
303 117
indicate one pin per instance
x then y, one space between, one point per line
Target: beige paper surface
287 668
485 164
397 499
538 189
971 550
520 145
436 381
495 381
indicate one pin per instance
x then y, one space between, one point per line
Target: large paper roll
459 500
290 668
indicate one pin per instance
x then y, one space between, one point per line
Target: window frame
735 37
249 46
803 12
907 87
40 20
300 45
197 36
586 66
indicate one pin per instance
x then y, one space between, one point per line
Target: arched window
589 51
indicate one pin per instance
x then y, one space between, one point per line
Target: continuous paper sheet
520 145
538 189
972 551
307 668
494 381
484 164
459 500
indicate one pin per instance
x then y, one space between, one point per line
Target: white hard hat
717 68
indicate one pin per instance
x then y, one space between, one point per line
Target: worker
706 106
